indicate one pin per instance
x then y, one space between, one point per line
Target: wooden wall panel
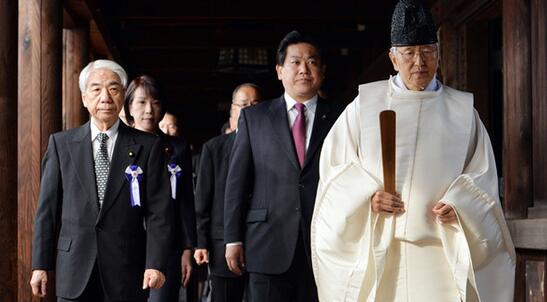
39 115
517 145
75 58
530 285
8 150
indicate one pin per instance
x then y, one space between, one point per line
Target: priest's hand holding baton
388 200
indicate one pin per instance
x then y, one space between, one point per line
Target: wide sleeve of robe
479 247
342 220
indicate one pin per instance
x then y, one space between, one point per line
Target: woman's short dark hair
295 37
151 88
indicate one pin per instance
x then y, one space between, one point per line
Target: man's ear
393 59
279 69
83 100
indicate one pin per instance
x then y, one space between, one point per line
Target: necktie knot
102 137
300 108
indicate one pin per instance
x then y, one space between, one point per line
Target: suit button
301 186
297 209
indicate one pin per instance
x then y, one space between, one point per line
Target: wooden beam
517 141
75 57
539 97
39 94
8 150
460 11
529 233
98 45
78 10
298 21
99 25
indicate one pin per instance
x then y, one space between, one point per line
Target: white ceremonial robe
443 153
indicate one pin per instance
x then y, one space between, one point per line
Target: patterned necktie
102 167
299 133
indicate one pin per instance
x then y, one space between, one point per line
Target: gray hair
102 64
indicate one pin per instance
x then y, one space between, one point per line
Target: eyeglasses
242 105
426 53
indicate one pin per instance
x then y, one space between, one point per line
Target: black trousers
227 289
93 291
295 285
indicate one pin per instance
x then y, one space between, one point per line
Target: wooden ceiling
179 42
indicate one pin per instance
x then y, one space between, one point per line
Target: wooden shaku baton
387 131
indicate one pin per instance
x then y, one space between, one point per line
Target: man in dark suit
273 176
215 157
104 188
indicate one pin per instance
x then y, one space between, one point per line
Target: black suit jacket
178 152
264 167
211 185
114 236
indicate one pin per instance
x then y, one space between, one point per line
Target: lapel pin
131 154
323 117
167 150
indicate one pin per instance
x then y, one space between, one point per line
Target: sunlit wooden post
39 115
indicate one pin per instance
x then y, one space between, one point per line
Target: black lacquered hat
412 24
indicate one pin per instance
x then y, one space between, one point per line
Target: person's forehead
142 93
246 93
103 74
302 49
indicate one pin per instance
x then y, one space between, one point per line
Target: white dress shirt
112 136
309 111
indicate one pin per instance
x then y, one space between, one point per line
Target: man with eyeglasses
210 191
442 236
244 95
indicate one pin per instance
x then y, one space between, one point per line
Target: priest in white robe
443 236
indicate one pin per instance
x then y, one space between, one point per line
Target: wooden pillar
539 78
75 57
8 150
39 95
517 94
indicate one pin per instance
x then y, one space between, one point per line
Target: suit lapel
125 145
320 128
81 153
280 125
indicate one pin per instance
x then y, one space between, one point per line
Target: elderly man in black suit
104 188
211 184
273 176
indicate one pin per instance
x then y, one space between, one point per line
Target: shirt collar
111 132
310 104
432 86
